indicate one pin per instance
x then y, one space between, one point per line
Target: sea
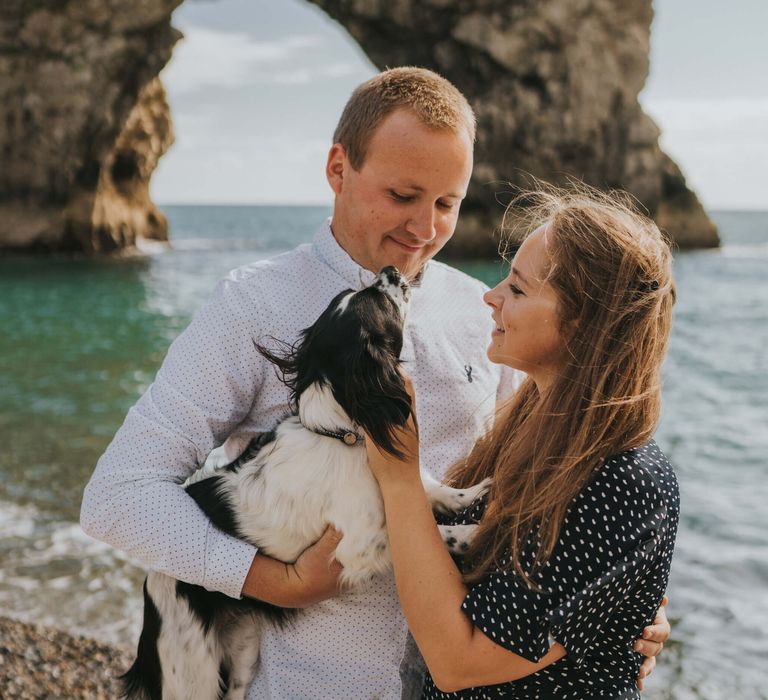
80 341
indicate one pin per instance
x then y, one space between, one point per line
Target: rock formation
554 84
84 122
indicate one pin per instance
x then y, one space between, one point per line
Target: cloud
720 144
338 70
207 58
719 117
262 170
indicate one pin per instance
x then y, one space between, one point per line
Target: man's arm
312 578
134 500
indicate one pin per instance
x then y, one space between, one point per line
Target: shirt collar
327 248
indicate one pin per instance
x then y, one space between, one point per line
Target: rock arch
85 122
554 84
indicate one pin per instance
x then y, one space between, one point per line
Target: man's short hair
434 100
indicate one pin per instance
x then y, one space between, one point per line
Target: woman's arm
431 591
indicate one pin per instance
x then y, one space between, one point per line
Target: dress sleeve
511 614
134 500
611 537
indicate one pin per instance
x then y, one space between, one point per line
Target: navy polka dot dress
601 586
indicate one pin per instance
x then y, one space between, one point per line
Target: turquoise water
82 340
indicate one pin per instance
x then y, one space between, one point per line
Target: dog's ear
286 358
376 396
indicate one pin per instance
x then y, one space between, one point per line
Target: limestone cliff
84 122
554 84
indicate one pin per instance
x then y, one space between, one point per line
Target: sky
256 88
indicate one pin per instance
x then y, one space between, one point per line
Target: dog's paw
457 538
217 459
227 452
203 473
446 499
478 490
220 457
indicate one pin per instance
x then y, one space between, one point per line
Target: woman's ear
335 167
568 330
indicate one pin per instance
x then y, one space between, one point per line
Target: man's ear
334 168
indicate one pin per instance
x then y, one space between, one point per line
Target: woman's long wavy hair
611 270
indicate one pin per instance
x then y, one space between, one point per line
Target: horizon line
721 208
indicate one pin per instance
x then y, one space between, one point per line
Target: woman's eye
515 289
401 197
446 205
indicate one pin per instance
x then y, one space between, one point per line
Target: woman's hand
387 468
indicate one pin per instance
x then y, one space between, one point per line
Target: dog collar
348 437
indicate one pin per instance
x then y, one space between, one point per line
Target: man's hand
652 642
316 572
313 577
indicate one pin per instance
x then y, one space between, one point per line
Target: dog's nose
393 283
391 274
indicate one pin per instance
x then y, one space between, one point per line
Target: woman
571 557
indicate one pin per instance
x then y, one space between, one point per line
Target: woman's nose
491 298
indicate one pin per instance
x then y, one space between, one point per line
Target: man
399 169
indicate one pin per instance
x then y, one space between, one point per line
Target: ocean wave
46 563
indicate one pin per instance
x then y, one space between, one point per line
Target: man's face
401 207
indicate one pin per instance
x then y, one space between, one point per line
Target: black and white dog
283 491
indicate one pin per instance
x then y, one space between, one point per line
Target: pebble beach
44 663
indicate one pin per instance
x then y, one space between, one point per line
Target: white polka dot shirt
213 381
601 585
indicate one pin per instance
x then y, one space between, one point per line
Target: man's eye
400 197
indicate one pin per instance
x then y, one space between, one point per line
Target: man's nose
422 224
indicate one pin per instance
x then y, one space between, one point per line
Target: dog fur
285 488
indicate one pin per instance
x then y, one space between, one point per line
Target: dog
284 490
